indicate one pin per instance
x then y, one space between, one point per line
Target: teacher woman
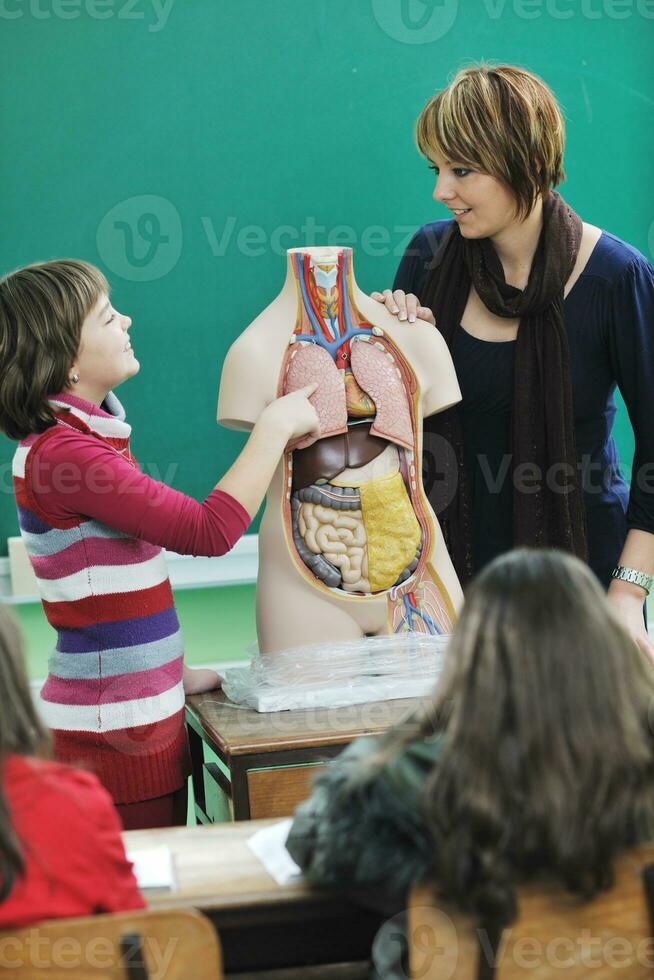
544 316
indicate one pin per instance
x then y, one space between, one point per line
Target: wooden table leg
196 748
240 791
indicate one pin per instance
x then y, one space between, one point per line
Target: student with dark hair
536 755
61 853
94 526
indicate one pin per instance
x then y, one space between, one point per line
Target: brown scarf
551 514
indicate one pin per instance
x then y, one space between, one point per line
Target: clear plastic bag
328 675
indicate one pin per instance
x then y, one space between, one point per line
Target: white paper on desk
269 845
153 867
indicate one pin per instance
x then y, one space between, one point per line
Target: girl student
544 314
61 853
534 758
94 527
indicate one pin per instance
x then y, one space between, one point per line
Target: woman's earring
75 378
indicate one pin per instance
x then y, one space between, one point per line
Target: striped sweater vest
113 697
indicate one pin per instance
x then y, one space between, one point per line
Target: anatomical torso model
348 545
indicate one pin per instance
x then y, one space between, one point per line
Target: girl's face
481 205
105 357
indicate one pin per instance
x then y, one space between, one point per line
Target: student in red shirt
61 853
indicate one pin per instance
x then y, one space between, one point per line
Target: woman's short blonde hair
502 120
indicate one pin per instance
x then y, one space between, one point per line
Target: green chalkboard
183 145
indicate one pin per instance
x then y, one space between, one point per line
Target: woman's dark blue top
609 320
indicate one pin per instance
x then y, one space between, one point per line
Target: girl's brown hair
502 120
548 755
21 733
42 309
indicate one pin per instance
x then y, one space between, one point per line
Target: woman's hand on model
292 416
406 306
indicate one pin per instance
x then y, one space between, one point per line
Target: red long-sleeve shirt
70 835
76 473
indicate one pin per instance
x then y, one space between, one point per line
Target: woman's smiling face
481 205
105 357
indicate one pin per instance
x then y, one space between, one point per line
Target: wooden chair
167 944
555 935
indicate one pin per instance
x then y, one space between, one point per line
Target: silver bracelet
634 576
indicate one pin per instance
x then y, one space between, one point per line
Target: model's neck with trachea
327 315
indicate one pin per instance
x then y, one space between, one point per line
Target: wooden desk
261 924
268 760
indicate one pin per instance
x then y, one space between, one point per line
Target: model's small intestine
353 522
339 536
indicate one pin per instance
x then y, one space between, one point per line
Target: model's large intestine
354 519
